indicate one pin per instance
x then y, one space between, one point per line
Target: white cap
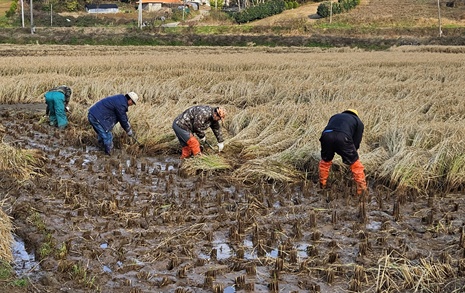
134 97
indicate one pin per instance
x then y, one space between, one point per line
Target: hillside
374 24
304 13
395 13
4 6
379 13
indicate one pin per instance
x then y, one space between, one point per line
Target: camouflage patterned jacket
197 119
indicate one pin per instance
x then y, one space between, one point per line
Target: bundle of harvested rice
204 163
21 163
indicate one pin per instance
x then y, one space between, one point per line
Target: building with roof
155 5
102 8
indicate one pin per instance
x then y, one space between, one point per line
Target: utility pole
183 9
439 19
331 11
22 13
140 14
51 14
32 20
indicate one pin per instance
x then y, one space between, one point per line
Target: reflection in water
106 269
24 263
223 250
273 253
373 225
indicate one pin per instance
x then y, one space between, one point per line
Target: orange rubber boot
186 152
359 176
324 168
194 145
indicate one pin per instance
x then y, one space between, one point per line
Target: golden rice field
278 99
142 220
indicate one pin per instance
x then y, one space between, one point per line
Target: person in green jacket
57 100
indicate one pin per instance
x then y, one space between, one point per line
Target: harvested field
142 221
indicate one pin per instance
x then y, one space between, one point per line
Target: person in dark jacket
57 100
196 120
343 136
104 115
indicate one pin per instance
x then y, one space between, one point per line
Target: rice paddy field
252 217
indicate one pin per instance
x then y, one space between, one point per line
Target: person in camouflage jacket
196 120
57 100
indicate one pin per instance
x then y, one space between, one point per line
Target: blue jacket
110 111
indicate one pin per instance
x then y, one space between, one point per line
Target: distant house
154 5
102 8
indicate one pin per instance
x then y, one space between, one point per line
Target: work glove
220 146
130 132
66 109
203 139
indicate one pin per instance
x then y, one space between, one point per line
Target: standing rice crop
278 100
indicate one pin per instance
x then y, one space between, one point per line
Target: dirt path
305 12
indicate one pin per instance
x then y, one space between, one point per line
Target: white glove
66 109
220 146
130 133
203 139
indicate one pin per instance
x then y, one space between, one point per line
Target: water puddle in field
126 217
24 263
224 251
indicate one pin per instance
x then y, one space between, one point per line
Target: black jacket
348 123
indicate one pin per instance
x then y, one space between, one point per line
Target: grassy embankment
278 100
375 24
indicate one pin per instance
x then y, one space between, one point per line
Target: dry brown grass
19 163
392 13
4 6
6 238
278 99
400 274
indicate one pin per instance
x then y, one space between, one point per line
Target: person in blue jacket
104 115
57 100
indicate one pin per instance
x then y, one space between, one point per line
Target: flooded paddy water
135 223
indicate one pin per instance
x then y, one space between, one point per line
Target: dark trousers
338 143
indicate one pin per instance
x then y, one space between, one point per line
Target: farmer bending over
343 136
196 120
104 115
57 100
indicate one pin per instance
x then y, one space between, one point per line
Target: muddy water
130 223
24 262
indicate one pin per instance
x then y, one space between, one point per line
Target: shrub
291 5
260 11
12 10
324 10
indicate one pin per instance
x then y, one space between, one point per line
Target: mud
130 223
